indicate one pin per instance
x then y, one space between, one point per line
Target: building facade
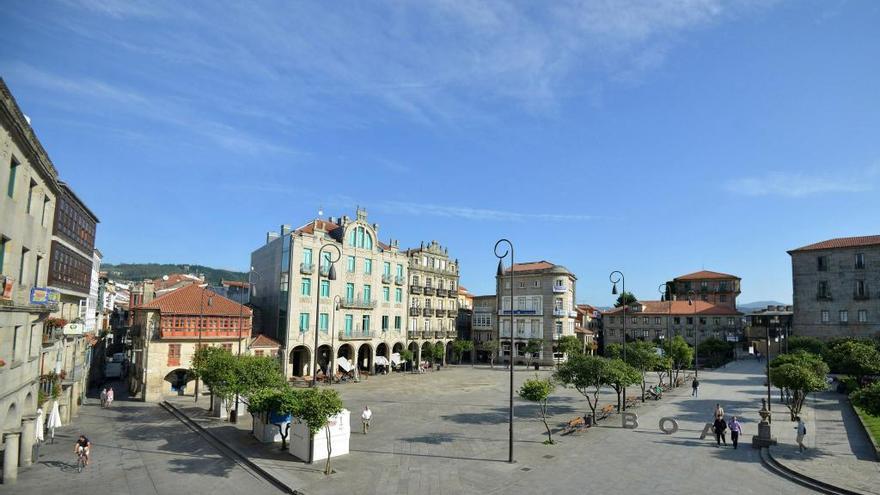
774 321
363 312
715 288
543 309
836 288
484 324
166 332
433 298
658 320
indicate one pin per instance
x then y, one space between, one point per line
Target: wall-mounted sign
73 329
6 288
43 296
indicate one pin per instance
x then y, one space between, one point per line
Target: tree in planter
619 375
868 399
406 356
316 407
681 353
800 373
427 352
491 348
282 400
459 347
856 358
570 345
252 374
532 347
587 375
438 351
538 391
216 368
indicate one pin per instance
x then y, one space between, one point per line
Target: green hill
141 271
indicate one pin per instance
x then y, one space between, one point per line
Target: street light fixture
662 288
331 359
614 280
500 275
201 326
693 302
331 275
234 418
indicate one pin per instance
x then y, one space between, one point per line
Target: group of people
106 396
720 427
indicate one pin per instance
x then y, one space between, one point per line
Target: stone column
74 395
62 412
28 437
10 459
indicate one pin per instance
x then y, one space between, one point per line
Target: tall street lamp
693 302
234 418
331 275
500 275
331 359
201 326
615 277
662 290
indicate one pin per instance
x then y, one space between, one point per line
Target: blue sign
43 296
278 419
521 311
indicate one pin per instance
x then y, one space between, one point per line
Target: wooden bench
575 425
605 411
631 401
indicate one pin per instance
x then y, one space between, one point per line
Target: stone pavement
137 448
446 432
838 452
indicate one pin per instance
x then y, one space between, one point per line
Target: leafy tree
570 345
216 368
809 344
856 358
437 352
619 375
316 407
459 347
491 348
252 374
283 400
801 373
532 347
715 352
868 399
625 298
681 354
407 356
538 390
587 375
663 367
640 354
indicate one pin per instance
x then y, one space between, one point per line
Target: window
43 218
428 282
822 263
723 298
538 283
843 315
386 269
173 354
427 325
351 264
415 280
826 317
400 271
349 291
676 320
522 284
226 347
37 271
398 295
368 266
258 353
384 323
702 320
397 321
657 320
558 328
366 323
349 323
21 264
690 320
646 320
305 287
716 321
610 320
822 290
3 242
33 185
303 322
307 256
325 288
323 322
704 286
731 321
861 291
386 294
10 187
367 293
860 261
863 316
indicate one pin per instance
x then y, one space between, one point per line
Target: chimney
285 229
271 236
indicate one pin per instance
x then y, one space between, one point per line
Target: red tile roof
264 342
841 242
194 300
175 279
531 265
233 283
309 228
677 308
704 275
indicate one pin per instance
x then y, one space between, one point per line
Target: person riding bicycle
82 443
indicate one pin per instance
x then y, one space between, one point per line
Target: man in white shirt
365 418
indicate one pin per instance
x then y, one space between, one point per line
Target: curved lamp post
331 275
500 275
662 290
615 277
201 326
692 301
331 361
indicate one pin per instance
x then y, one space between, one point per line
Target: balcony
559 312
415 311
427 312
306 268
355 334
451 334
862 296
824 296
386 278
439 334
415 334
429 291
440 312
357 303
560 289
415 289
452 313
427 334
325 271
399 280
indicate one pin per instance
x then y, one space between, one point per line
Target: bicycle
80 459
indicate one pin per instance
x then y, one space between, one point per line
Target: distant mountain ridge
759 305
141 271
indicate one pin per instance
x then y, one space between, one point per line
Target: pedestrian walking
720 428
801 429
719 411
366 416
104 397
735 430
696 388
109 396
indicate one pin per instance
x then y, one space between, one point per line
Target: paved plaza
441 432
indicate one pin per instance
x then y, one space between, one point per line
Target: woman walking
735 430
720 427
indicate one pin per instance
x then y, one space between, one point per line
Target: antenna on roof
320 211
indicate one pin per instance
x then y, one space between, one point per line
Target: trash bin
537 367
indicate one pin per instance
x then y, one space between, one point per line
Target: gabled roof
195 300
261 341
705 275
676 308
841 242
531 265
309 228
175 279
233 283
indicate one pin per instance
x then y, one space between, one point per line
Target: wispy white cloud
797 185
470 213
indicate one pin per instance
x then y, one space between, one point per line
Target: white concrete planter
219 409
266 432
300 441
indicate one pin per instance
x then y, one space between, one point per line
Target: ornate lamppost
331 275
500 275
693 302
615 277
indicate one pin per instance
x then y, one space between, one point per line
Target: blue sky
657 138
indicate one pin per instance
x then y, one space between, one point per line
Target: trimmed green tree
254 373
216 368
856 358
491 347
809 344
532 347
800 373
570 345
625 298
316 407
681 353
283 400
715 352
406 356
868 399
619 375
437 352
538 390
586 374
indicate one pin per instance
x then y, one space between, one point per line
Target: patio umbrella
54 421
38 426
